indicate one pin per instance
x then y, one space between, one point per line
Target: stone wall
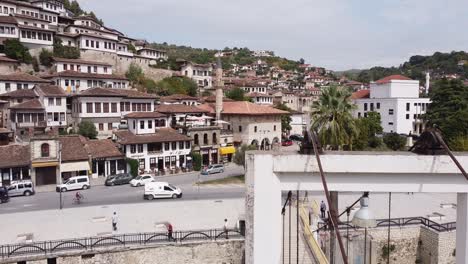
221 252
437 247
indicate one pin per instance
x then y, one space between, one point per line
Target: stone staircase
305 255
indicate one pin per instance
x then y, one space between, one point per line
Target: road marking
28 205
99 219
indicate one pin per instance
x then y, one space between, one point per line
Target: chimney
428 81
219 89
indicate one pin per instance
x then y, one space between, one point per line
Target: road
125 194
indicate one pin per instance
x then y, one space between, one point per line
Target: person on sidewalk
323 208
226 228
169 232
114 221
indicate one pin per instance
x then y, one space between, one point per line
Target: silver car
21 188
215 168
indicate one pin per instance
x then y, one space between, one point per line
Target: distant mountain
454 64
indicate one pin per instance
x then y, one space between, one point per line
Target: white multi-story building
200 73
261 98
19 81
105 108
396 99
96 67
78 81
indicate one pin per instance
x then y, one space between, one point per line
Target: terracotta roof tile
73 148
104 148
130 93
34 104
8 20
361 94
23 93
22 77
15 156
393 77
51 90
162 135
145 115
98 92
179 108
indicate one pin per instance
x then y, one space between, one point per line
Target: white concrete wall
59 106
265 128
14 86
394 89
82 67
7 9
8 31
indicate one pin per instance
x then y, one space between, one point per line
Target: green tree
196 161
239 157
15 50
65 51
131 48
87 129
134 74
285 119
449 111
368 127
332 118
46 58
394 141
133 164
178 85
237 94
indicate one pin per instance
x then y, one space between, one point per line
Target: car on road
118 179
74 183
215 168
296 137
161 190
4 195
141 180
21 188
287 143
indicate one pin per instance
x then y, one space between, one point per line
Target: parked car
74 183
161 190
141 180
117 179
21 188
286 143
4 195
215 168
296 137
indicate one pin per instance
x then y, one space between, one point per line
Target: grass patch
240 179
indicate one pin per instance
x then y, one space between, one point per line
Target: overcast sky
337 34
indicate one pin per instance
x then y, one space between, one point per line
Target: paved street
125 194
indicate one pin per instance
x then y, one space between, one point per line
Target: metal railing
124 240
403 221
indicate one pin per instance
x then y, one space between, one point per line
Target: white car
74 183
141 180
161 190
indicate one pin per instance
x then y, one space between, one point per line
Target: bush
394 141
375 142
459 143
196 161
134 74
133 164
87 129
15 50
65 51
46 58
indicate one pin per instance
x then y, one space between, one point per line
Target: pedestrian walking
226 228
114 221
169 231
323 208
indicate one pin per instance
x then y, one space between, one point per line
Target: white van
161 190
74 183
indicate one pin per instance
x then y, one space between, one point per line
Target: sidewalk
132 218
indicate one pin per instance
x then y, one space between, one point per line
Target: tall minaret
428 81
219 89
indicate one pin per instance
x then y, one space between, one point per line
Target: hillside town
83 104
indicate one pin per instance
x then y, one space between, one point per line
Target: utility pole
333 208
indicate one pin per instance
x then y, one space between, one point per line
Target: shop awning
227 150
75 166
44 164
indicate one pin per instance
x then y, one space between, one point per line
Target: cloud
337 34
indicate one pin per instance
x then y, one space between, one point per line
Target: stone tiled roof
23 93
393 77
51 90
8 20
34 104
104 148
179 108
15 156
162 135
78 61
22 77
77 74
73 148
145 115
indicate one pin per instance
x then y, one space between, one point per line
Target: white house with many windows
200 73
396 99
19 81
84 66
74 81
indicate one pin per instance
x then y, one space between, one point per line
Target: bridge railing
120 240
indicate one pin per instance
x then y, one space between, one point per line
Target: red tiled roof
23 93
145 115
361 94
109 92
8 20
22 77
125 137
179 108
15 156
245 108
51 90
392 77
86 75
104 148
73 148
56 59
34 104
212 99
178 97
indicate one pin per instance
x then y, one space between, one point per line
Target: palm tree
332 118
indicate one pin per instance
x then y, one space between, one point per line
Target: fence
124 240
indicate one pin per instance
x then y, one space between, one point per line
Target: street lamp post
60 173
364 218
